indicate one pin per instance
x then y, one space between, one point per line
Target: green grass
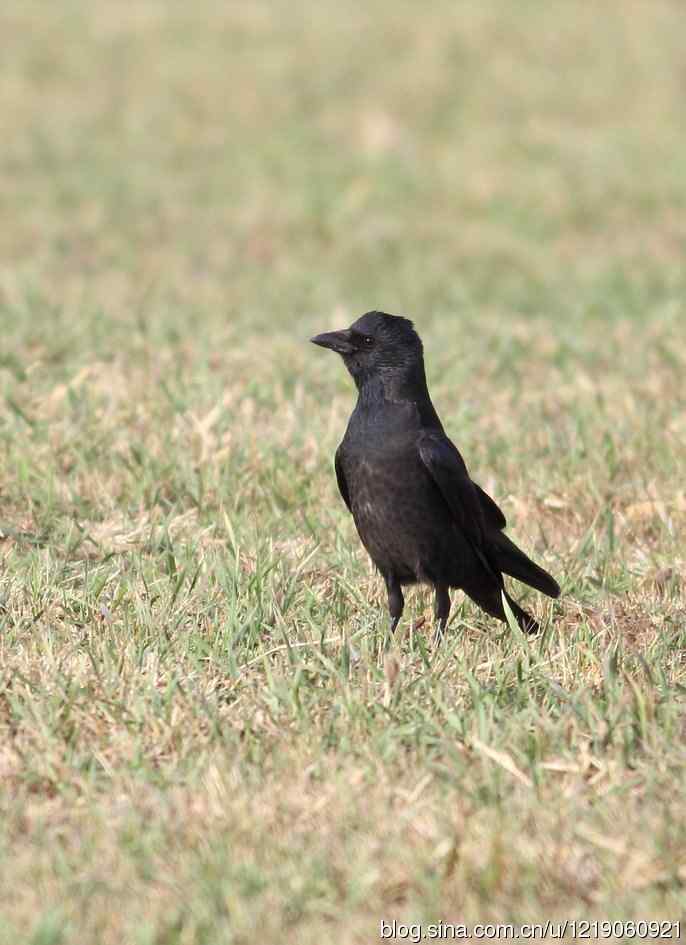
203 738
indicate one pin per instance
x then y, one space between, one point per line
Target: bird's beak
336 340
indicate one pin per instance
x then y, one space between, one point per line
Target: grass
203 737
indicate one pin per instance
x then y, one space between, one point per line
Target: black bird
418 513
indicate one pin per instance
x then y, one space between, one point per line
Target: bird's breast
399 513
385 483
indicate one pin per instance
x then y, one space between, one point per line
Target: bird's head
378 347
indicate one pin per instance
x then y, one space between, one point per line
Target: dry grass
202 739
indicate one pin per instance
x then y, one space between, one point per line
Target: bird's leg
441 611
396 601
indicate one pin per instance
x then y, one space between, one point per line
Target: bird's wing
492 512
473 511
449 472
340 476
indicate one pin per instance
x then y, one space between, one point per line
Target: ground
202 736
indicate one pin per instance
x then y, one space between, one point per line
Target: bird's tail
510 559
488 595
527 623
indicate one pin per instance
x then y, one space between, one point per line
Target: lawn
204 737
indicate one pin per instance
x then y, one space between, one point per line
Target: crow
418 513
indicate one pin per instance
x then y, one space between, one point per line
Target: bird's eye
368 341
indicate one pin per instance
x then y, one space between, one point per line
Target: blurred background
272 161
